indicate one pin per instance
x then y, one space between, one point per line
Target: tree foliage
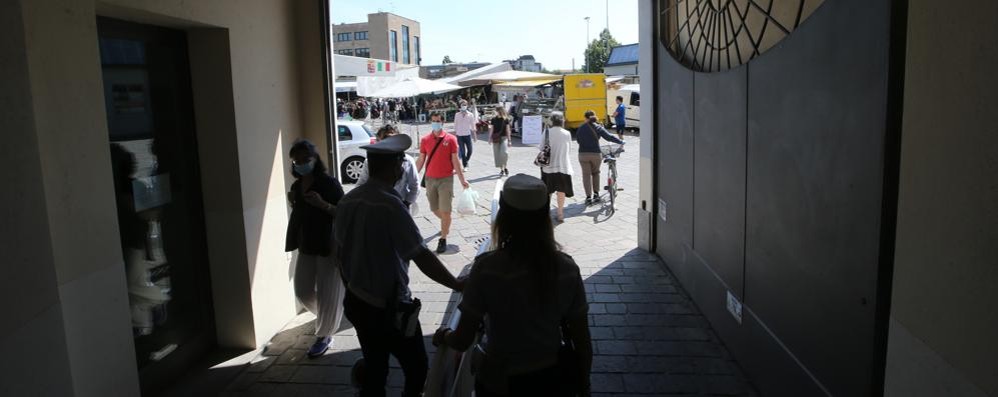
447 60
598 52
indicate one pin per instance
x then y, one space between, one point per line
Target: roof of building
623 55
530 57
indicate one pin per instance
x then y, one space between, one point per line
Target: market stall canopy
509 75
631 87
471 74
346 86
371 84
355 66
528 83
414 86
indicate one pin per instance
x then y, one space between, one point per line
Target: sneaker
441 246
589 201
597 199
320 346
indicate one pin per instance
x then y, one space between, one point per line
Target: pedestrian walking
408 185
465 122
590 160
500 136
619 121
376 239
438 154
313 198
557 175
534 299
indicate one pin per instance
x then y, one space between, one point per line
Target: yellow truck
586 91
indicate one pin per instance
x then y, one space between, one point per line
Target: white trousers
320 289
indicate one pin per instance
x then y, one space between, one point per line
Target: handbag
543 158
422 182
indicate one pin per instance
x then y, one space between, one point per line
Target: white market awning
492 68
509 75
414 86
346 86
366 67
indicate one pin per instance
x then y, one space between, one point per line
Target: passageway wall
774 191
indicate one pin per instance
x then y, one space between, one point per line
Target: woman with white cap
533 299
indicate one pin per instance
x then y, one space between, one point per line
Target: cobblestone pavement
648 337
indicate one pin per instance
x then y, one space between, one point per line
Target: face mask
464 108
436 126
305 169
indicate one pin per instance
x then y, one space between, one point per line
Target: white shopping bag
466 203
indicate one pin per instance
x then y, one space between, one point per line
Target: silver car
352 135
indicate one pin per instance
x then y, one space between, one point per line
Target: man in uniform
376 239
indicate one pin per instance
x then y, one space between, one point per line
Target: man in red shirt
438 152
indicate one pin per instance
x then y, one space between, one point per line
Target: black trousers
379 339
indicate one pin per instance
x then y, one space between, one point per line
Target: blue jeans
464 154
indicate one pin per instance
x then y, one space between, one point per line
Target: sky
553 31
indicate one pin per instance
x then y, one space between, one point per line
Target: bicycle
610 154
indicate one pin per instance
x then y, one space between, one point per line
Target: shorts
620 128
440 193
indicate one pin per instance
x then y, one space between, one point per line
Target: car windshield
370 132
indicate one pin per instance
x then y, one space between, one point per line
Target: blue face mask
436 126
305 169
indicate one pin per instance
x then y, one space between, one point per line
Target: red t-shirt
440 166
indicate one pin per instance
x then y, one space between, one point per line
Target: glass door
147 93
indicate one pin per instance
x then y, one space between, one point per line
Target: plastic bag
466 203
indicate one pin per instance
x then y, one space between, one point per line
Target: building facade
145 148
448 70
623 61
384 36
526 63
826 194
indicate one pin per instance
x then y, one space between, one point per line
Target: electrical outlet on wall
734 307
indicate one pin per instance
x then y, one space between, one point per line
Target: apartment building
384 36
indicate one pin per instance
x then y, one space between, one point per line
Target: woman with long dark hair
501 139
313 198
537 332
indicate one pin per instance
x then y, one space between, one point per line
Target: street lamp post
585 55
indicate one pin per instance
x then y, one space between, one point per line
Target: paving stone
321 374
278 373
617 347
611 383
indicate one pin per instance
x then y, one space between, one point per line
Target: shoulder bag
543 158
422 183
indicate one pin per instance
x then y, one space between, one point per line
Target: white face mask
464 108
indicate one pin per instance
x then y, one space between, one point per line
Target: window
405 44
345 135
635 99
393 44
343 36
345 52
419 58
362 52
360 36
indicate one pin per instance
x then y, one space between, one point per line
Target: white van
632 101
